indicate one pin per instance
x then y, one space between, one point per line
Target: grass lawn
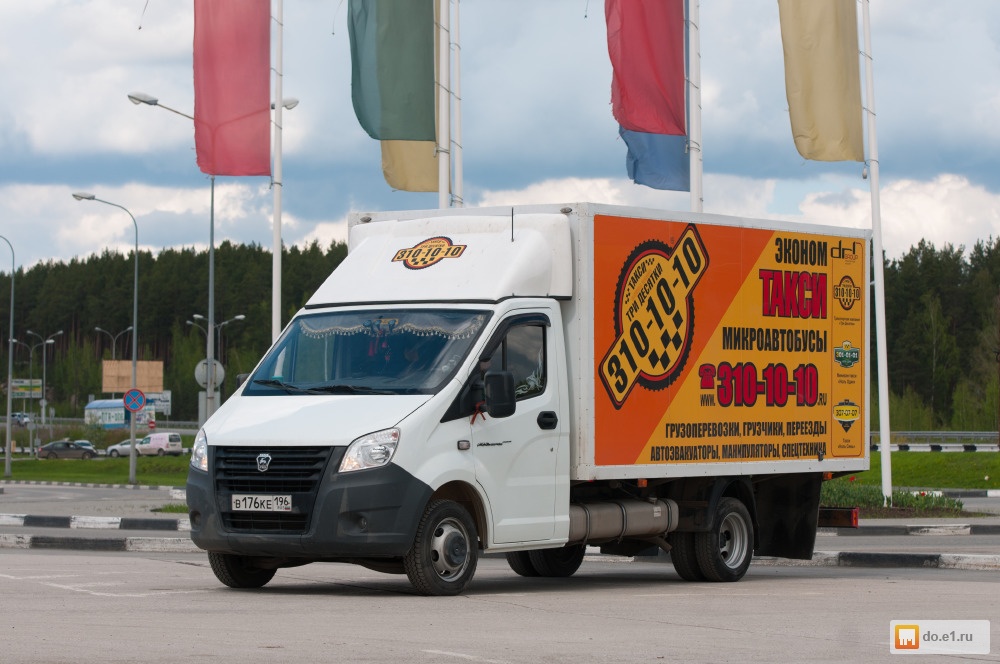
937 470
150 471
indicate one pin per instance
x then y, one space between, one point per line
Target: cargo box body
696 344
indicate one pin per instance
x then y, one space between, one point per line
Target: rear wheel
683 557
52 455
558 562
520 562
724 553
239 571
160 452
443 558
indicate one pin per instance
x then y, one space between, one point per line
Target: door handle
547 420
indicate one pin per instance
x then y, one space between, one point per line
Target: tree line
941 324
97 291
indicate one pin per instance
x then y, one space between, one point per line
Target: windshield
391 351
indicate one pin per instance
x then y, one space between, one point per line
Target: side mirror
499 393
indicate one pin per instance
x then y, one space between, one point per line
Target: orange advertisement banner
726 344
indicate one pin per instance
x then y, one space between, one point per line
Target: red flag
646 45
232 97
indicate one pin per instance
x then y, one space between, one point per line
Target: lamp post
10 362
213 336
114 338
31 350
114 343
84 196
31 362
46 341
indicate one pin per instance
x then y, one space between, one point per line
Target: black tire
683 557
520 562
724 553
52 455
87 455
238 571
558 562
443 558
160 452
113 454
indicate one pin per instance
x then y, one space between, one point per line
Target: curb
882 530
184 525
95 522
136 487
888 560
819 559
116 544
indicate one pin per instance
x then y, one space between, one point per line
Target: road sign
134 400
201 373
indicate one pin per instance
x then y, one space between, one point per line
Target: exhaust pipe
601 522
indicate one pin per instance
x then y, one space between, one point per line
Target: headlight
199 452
370 451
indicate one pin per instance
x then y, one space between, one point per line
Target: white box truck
537 380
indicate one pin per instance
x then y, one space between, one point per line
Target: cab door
516 457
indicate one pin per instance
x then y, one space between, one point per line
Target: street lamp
45 341
114 343
10 361
114 338
84 196
31 350
213 335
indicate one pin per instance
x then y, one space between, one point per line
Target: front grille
297 471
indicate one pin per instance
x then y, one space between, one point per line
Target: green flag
392 67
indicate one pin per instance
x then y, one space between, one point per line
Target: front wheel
724 553
113 454
238 571
558 562
442 560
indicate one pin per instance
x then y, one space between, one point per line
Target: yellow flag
410 165
413 165
822 80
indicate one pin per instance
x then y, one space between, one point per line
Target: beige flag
822 79
410 165
413 165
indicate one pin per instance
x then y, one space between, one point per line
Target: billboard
117 376
721 344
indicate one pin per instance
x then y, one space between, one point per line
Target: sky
536 125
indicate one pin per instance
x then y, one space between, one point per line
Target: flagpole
444 105
878 264
694 104
459 200
276 181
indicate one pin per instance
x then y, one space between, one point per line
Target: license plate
261 503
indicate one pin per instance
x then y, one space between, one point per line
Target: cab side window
523 354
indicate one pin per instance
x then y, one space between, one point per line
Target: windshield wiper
273 382
347 389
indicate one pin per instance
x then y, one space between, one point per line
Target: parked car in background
155 444
20 419
65 449
120 449
89 445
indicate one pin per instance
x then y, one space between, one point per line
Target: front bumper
362 514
